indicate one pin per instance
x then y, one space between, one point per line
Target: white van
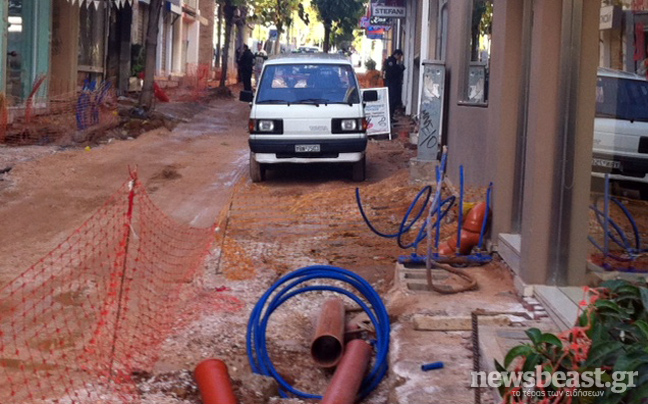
621 126
307 109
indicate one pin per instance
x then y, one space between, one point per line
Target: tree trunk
124 22
146 97
229 16
220 32
277 44
327 36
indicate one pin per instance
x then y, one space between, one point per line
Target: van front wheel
359 170
257 171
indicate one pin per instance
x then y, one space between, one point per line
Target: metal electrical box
431 110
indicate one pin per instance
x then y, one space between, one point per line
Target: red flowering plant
603 358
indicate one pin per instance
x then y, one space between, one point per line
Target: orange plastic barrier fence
48 120
76 325
193 86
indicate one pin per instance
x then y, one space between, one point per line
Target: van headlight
266 126
348 125
345 125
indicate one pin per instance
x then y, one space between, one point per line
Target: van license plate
307 148
606 163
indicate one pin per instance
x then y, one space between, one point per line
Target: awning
95 3
175 6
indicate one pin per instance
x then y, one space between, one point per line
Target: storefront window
477 71
15 51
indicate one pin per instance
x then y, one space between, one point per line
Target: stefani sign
388 11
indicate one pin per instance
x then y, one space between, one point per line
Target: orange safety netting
47 120
78 324
194 85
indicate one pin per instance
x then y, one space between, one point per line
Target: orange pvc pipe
470 231
328 343
214 382
348 376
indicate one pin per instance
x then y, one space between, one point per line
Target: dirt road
196 173
189 173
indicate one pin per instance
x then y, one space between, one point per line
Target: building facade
75 43
519 112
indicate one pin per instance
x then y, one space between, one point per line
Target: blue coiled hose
405 227
256 332
605 221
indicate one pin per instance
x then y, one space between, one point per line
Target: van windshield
308 84
620 98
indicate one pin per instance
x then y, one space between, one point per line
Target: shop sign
388 11
379 21
610 18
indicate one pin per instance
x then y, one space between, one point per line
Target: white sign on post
377 113
388 11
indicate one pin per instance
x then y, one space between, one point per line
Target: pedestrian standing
246 64
259 58
393 74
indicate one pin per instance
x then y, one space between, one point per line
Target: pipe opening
326 351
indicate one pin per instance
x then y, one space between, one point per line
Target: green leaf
499 367
534 335
643 376
614 284
628 290
601 351
598 331
531 362
607 304
609 398
638 394
644 298
520 350
551 339
643 327
631 361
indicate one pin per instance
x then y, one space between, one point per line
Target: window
619 98
308 83
477 70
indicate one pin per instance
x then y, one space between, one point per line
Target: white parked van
307 109
621 126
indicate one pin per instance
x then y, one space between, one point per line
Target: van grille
643 145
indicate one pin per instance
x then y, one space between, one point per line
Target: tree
343 13
278 13
229 9
146 97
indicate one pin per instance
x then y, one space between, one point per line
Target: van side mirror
246 96
370 96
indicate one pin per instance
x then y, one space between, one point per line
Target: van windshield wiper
313 101
274 102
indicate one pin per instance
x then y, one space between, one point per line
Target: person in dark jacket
246 64
394 80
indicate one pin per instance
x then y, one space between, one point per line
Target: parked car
308 109
621 127
308 49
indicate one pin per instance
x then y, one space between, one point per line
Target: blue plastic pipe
432 366
461 197
292 285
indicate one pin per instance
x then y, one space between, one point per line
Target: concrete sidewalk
432 327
